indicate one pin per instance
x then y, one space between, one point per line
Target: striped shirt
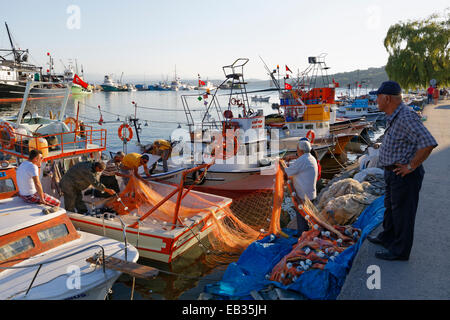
404 135
111 169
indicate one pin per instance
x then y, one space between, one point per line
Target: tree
419 51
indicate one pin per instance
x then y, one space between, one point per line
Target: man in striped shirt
406 145
108 177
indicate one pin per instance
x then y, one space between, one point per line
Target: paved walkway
427 274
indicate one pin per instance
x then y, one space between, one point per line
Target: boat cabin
55 138
25 230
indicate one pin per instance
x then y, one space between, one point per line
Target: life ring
233 101
8 128
130 132
311 136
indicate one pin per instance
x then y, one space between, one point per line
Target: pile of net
229 233
344 200
313 251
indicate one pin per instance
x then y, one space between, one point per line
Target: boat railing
182 193
39 265
67 144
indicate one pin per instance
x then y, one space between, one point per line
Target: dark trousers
401 200
73 199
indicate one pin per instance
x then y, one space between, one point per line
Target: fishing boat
43 256
109 85
237 140
174 220
54 137
360 108
308 109
15 71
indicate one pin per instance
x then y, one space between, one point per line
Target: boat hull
107 88
160 245
15 93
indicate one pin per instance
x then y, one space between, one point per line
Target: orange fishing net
230 234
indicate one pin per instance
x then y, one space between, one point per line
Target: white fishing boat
43 256
360 108
109 85
237 141
162 231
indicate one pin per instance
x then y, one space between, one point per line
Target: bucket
39 144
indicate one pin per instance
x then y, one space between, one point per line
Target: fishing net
233 228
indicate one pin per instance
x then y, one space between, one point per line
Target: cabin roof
16 214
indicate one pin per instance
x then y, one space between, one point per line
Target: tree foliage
419 51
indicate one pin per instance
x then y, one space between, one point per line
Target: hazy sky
149 37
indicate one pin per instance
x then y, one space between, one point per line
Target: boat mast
16 58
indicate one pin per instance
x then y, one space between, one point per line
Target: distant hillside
371 77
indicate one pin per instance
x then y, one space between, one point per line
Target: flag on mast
77 80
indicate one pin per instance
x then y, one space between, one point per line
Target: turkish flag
77 80
287 86
201 83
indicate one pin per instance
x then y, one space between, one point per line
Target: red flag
287 86
77 80
201 83
287 69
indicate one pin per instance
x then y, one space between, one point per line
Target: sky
148 39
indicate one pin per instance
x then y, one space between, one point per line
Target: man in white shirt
29 184
304 173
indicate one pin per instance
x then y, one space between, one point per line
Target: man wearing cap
162 148
304 173
406 145
131 163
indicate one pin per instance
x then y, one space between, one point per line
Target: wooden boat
43 256
308 111
156 235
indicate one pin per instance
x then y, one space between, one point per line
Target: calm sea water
159 114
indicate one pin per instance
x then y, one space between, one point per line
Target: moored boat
43 256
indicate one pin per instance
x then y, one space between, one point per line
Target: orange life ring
130 132
311 136
12 137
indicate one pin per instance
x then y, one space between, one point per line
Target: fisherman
78 178
161 148
30 187
406 145
108 177
131 163
304 173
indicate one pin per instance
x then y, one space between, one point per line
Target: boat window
53 233
309 126
15 248
7 185
358 110
299 126
319 125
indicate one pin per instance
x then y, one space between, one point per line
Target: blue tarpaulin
257 261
